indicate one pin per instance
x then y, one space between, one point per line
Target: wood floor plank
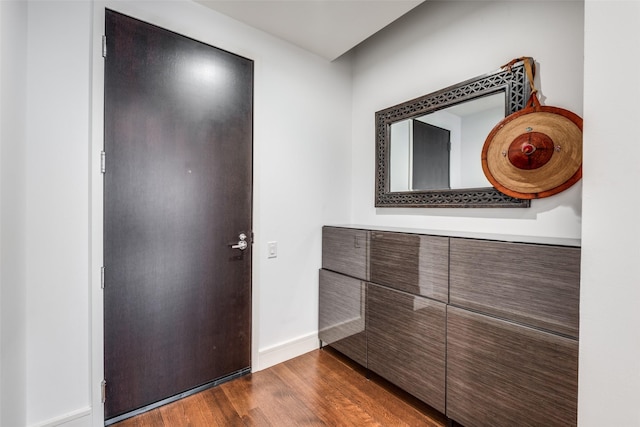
219 410
151 418
323 398
196 410
173 414
280 404
356 389
240 393
305 379
320 388
256 418
399 407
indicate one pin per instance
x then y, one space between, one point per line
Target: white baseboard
78 418
282 352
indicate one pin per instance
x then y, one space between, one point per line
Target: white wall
475 128
301 177
13 319
609 382
400 155
441 43
57 210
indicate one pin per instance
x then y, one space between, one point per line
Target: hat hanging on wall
535 152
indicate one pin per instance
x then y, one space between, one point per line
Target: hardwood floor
320 388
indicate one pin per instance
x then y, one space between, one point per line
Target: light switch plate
272 249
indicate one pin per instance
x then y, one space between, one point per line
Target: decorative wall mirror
428 149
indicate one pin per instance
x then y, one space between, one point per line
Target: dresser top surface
543 240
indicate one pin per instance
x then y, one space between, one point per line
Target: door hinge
102 277
103 162
103 388
104 46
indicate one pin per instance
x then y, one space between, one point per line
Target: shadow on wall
569 199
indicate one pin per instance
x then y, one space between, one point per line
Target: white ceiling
328 28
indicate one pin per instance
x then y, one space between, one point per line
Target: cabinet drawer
341 320
346 251
406 342
413 263
503 374
537 285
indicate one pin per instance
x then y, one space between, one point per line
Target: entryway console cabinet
484 330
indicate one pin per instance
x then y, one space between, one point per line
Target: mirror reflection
441 150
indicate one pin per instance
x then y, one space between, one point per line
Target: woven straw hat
535 152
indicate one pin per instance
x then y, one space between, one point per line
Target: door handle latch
242 243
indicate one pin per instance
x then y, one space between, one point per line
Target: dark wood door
177 193
431 149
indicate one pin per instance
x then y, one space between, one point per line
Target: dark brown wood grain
341 321
320 388
504 374
538 285
346 251
177 192
414 263
406 342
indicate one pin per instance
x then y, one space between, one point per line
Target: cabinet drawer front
534 284
346 251
413 263
406 342
341 312
503 374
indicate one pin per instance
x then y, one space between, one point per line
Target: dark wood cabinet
342 291
512 345
346 251
503 374
406 342
538 285
414 263
342 314
485 331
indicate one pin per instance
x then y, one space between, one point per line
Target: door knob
242 242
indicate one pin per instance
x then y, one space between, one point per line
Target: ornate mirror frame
513 82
